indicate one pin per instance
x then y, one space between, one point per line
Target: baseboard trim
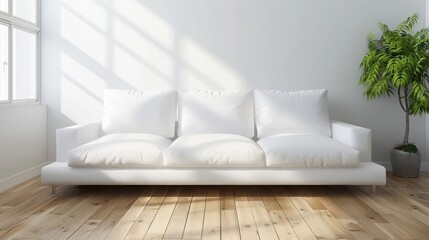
20 177
423 167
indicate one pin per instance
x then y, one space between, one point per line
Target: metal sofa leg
374 189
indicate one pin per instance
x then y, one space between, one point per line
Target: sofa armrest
353 136
71 137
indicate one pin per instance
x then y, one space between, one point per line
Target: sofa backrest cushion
206 111
302 112
140 112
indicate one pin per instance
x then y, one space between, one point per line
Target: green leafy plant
398 62
410 147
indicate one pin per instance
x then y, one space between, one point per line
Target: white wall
425 166
90 45
22 143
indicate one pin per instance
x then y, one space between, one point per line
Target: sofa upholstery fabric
140 112
214 150
292 112
206 111
133 150
367 173
131 146
307 151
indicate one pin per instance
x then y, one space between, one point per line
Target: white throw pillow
140 112
292 112
205 112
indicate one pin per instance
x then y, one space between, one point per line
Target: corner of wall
23 126
20 177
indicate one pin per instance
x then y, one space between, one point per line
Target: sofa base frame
54 190
368 173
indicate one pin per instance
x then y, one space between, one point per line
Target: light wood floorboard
399 210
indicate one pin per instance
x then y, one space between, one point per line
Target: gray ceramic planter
405 164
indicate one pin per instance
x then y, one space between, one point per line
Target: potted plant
398 63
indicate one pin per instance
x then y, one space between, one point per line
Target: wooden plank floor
399 210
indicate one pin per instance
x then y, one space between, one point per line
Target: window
25 9
19 51
4 59
4 5
24 62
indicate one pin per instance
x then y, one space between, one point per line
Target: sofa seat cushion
135 150
214 150
307 151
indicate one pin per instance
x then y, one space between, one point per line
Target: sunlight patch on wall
139 75
84 32
202 69
141 18
138 60
89 10
81 91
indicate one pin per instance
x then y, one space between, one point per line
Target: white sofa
137 142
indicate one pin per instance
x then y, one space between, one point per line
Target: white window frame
13 22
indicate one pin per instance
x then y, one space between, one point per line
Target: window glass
24 65
4 6
4 62
25 9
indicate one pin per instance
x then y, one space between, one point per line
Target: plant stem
407 117
407 128
400 97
